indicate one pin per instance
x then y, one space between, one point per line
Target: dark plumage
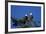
21 21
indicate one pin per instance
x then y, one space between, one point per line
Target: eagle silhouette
23 20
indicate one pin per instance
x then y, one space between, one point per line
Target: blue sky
20 11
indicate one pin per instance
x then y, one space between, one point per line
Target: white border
23 29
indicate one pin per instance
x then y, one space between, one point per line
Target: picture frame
22 3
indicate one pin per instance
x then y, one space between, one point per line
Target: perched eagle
23 20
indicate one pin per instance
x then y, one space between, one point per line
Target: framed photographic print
24 16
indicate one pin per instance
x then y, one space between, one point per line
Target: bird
22 20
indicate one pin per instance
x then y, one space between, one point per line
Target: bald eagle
23 20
